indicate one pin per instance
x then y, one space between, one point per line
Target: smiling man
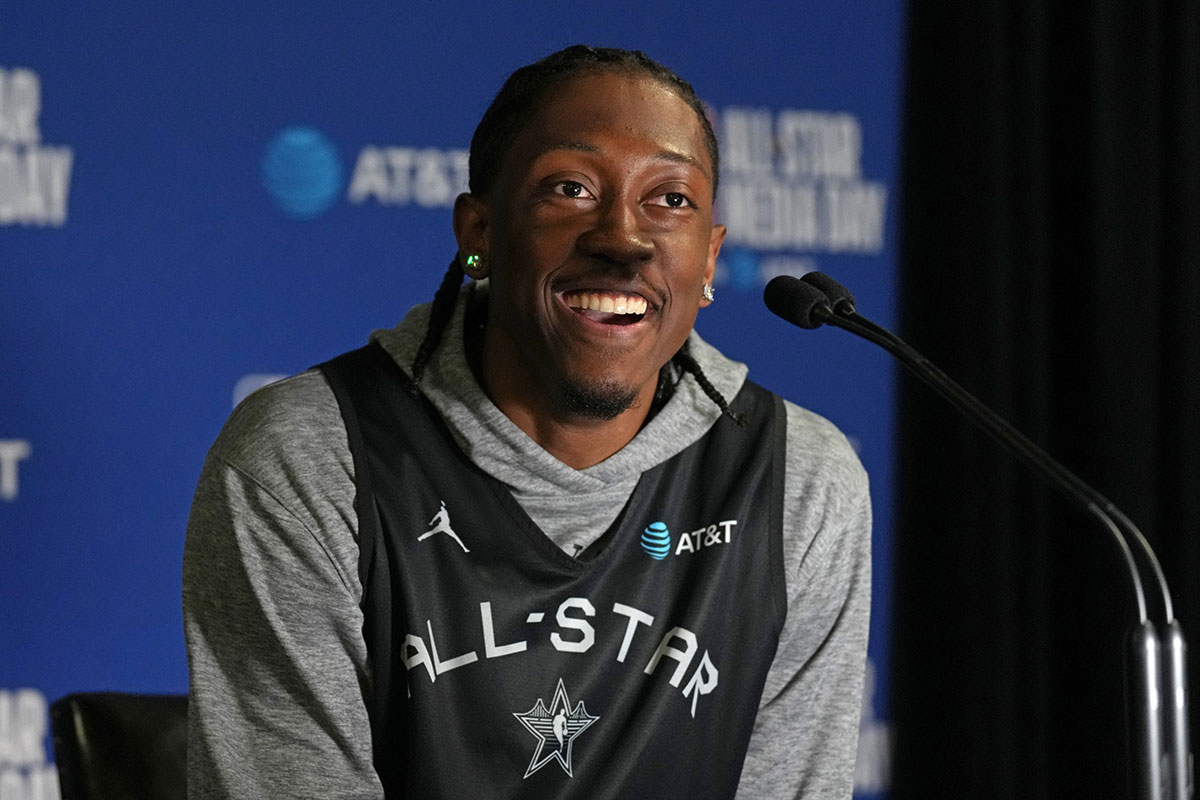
654 578
597 233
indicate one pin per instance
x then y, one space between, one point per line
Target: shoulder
278 484
292 425
287 442
827 505
818 452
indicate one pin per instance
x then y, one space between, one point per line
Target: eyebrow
662 155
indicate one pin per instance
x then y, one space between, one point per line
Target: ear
470 231
716 237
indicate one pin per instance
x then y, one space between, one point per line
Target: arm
805 736
270 596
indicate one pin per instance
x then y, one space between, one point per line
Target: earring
473 264
707 292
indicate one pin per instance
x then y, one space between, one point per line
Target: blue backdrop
196 197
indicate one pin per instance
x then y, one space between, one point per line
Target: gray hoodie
271 590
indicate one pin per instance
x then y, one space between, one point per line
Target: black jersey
502 667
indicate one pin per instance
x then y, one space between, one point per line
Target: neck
576 440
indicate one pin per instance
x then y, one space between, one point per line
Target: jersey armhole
778 489
369 529
349 375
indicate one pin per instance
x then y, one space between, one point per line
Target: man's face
599 237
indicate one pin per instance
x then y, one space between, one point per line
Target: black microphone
799 303
1156 777
839 296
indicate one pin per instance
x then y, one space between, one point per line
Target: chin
598 400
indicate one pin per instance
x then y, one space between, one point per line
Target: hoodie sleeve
271 607
805 737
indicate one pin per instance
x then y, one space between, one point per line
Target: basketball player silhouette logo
560 726
441 524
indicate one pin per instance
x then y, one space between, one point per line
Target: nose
617 235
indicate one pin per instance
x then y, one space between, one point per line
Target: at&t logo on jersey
656 538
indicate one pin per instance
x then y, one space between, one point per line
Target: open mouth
609 308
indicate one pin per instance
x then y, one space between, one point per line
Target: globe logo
656 540
301 172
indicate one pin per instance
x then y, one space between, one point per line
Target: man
656 578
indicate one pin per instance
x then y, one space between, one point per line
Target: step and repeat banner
199 198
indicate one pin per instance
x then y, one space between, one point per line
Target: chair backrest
115 746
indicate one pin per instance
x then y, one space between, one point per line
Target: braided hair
512 107
525 89
440 312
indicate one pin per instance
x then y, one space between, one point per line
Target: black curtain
1051 264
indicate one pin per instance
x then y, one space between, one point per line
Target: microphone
839 296
797 302
1163 769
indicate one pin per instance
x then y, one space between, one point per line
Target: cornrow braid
439 316
684 361
525 89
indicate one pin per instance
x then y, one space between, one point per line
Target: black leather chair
115 746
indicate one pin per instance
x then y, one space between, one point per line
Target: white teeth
608 304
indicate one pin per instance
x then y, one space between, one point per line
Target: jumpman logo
441 524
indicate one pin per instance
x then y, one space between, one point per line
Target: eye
673 200
573 189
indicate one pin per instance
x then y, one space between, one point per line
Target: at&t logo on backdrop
305 176
302 172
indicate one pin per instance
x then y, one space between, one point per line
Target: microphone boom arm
1016 442
1161 758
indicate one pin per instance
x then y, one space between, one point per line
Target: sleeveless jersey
501 667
